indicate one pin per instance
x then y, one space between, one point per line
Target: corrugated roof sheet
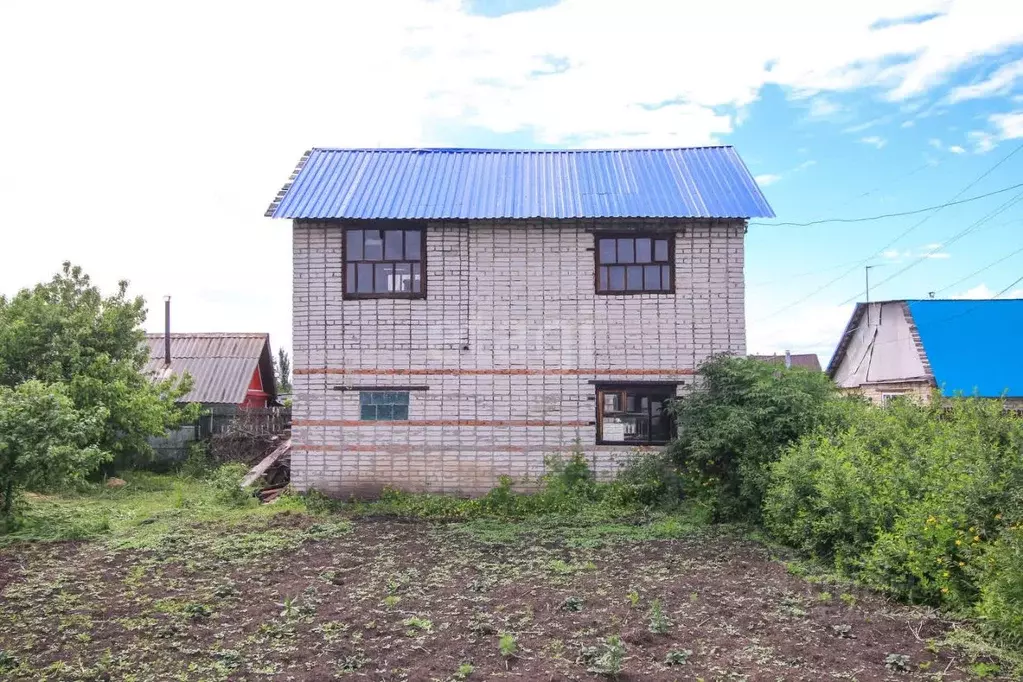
480 184
221 364
973 346
807 360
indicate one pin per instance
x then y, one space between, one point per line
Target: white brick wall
507 340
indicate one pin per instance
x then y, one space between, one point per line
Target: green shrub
1001 588
198 463
915 500
735 425
226 482
44 442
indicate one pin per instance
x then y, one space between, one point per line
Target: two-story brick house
460 314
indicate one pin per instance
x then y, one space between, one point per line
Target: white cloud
982 141
956 149
145 143
874 141
767 179
982 291
1009 126
998 83
822 107
806 329
934 142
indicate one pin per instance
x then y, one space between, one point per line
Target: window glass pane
643 248
603 283
634 278
630 402
652 277
350 278
617 275
661 250
417 278
354 245
383 405
608 250
413 247
373 245
364 283
402 277
626 251
666 278
384 277
393 244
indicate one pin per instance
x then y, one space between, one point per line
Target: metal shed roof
220 364
972 346
481 184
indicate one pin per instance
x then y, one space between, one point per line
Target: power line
1006 289
977 272
894 215
956 237
902 234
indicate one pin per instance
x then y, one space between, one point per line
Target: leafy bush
44 441
920 501
226 481
735 425
66 332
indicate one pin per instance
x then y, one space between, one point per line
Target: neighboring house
229 371
909 348
461 314
806 360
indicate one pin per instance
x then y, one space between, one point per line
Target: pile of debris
274 470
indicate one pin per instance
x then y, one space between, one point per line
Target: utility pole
866 276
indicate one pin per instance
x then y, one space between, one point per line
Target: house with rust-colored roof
228 370
461 314
804 360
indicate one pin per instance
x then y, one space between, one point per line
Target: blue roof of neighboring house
973 346
479 184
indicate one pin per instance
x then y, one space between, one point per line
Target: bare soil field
298 597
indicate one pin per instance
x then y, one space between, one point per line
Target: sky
143 141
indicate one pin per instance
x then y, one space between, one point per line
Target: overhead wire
956 237
893 241
901 214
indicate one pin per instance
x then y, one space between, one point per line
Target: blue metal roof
973 346
478 184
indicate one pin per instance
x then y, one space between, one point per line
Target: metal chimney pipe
166 330
788 359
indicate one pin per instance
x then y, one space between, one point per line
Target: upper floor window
385 263
635 264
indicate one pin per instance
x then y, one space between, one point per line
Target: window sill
670 292
651 444
397 297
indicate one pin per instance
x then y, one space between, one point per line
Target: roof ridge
519 150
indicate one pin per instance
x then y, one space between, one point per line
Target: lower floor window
634 414
383 405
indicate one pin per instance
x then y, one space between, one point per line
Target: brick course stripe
495 372
438 422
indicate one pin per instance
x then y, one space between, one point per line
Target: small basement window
635 415
635 264
888 398
383 406
385 263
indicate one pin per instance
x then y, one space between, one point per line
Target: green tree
66 332
737 423
282 370
44 441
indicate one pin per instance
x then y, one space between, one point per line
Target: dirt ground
293 597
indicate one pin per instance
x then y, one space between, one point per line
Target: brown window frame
653 236
651 389
383 227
